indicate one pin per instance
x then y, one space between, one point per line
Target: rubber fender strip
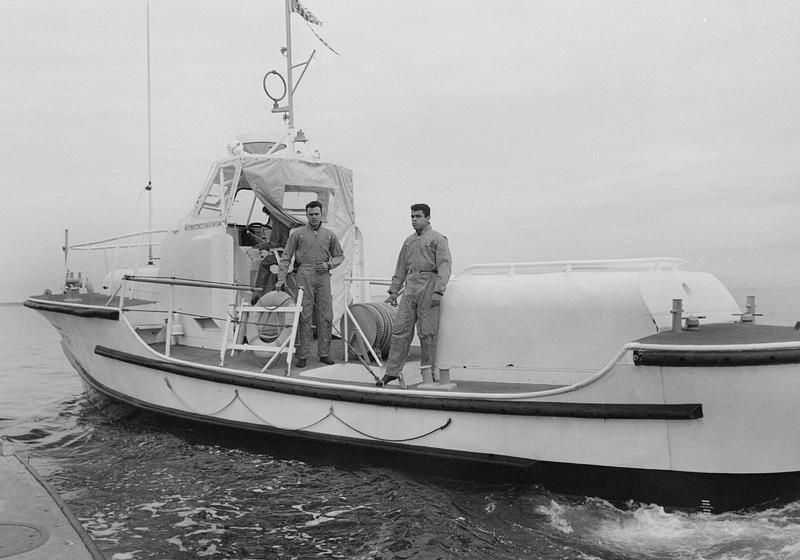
112 313
694 358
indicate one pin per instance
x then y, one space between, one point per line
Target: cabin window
212 203
295 198
245 208
261 147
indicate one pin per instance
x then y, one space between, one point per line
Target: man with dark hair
279 234
423 266
316 252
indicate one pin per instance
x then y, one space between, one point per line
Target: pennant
321 40
304 13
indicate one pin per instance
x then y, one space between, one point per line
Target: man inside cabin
316 252
423 266
279 235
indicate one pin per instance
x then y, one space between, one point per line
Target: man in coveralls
279 234
316 252
424 267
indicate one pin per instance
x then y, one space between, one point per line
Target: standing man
424 267
316 252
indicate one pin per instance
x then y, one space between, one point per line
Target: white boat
626 379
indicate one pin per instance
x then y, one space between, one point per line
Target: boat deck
721 345
352 373
102 300
726 333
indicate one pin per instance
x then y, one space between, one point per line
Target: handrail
716 347
370 279
655 263
625 349
108 247
422 393
89 244
172 281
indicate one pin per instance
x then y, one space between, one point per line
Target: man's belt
422 272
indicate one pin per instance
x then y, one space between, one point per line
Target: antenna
149 186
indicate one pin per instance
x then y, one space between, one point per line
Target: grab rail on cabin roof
539 267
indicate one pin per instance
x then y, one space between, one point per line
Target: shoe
301 362
386 380
326 360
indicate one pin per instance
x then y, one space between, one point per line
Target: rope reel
376 320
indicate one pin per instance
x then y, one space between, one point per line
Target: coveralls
310 246
278 237
424 266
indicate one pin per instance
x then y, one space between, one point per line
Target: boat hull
628 448
690 491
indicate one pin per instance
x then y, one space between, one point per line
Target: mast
289 84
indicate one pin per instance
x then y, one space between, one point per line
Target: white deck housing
553 322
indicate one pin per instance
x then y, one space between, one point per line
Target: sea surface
146 486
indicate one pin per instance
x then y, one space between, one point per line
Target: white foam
556 514
650 531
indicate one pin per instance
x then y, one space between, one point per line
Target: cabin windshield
261 147
245 209
237 189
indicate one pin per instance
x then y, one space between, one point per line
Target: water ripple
151 487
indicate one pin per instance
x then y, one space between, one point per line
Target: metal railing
172 283
131 250
540 267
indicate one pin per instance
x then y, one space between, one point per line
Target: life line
270 328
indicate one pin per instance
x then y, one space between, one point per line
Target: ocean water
149 487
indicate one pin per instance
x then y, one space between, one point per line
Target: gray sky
535 130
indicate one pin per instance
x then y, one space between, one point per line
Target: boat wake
648 531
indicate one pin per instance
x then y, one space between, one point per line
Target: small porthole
686 288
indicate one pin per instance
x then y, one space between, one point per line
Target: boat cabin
217 241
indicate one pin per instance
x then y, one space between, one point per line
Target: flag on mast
310 18
323 41
305 13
